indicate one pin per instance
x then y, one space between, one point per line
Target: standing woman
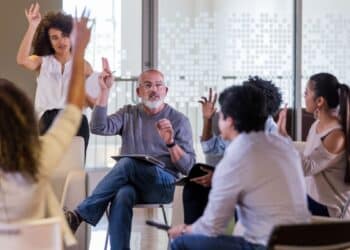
48 38
325 159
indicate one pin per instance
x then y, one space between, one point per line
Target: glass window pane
326 36
217 43
116 35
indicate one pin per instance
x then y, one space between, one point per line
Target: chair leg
107 234
164 214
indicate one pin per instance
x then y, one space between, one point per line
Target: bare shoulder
87 69
334 142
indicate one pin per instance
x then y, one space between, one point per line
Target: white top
325 171
261 175
52 89
21 199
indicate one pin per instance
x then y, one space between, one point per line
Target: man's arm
180 144
101 123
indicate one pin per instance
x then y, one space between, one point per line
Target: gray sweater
140 136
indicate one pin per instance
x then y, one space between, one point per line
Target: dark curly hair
41 43
19 137
246 105
272 93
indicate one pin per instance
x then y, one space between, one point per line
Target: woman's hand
33 15
204 180
208 105
282 121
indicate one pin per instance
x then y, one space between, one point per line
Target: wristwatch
170 145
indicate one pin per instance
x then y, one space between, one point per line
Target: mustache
153 94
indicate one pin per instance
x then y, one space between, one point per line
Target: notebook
196 171
146 158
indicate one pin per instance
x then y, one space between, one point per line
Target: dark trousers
49 116
316 208
195 199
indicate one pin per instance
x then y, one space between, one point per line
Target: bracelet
170 145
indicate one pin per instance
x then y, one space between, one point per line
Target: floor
143 237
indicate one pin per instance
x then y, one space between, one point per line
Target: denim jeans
223 242
128 183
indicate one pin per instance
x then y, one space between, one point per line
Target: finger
75 13
210 94
83 13
206 170
215 98
31 8
36 8
204 98
201 102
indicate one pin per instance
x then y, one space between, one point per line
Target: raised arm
59 136
208 111
24 58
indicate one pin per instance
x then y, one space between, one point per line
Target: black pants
195 199
316 208
49 116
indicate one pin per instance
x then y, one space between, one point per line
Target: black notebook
145 158
196 171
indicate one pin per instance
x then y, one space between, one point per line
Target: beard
152 104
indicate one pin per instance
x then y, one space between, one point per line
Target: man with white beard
151 128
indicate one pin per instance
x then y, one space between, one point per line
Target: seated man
195 193
152 128
260 175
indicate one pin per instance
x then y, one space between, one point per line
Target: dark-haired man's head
272 93
243 109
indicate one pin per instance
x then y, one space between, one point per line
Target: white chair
69 183
44 234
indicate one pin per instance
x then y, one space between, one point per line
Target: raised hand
81 33
165 130
33 15
105 79
282 121
208 104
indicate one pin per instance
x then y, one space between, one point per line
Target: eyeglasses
149 85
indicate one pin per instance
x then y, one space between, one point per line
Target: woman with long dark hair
327 149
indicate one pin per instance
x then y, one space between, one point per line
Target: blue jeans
223 242
128 183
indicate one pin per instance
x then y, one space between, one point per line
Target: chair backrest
44 234
319 236
72 160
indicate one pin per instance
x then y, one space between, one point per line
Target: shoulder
334 142
87 69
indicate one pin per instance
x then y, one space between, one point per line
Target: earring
316 113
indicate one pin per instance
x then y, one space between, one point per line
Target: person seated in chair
195 193
27 160
325 160
260 175
153 128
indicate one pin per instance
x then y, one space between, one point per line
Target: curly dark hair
41 43
272 93
246 105
19 137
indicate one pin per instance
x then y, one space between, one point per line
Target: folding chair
43 234
318 236
152 205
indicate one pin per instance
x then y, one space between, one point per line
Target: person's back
271 184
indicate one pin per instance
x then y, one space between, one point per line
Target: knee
126 196
177 244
